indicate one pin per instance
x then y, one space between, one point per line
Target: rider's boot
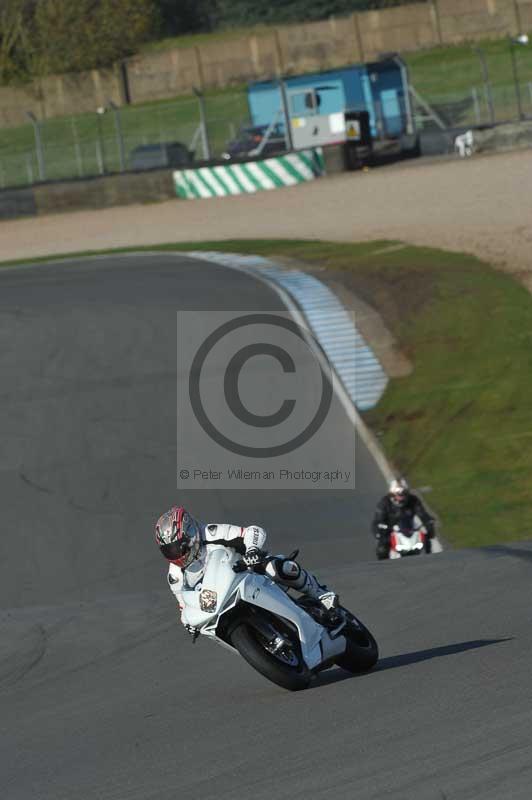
383 547
329 600
290 573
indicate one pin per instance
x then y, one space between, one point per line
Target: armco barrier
16 203
104 192
250 177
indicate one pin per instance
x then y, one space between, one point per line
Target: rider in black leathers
399 507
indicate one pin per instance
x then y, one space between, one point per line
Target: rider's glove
383 530
253 557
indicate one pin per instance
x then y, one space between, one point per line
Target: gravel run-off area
481 205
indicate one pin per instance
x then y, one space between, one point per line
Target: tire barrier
250 177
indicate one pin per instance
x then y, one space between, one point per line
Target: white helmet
399 491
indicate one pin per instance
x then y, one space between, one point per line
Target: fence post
119 135
99 156
405 77
124 80
476 104
487 83
203 125
100 149
516 81
77 148
38 145
286 114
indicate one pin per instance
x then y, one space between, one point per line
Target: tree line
40 37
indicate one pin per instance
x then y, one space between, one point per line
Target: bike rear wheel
362 652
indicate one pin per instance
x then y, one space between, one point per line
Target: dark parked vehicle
164 154
250 138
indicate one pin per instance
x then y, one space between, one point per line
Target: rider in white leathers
184 542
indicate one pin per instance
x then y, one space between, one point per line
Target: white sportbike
286 639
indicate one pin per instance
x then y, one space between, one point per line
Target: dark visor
174 550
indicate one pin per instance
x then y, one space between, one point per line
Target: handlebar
241 566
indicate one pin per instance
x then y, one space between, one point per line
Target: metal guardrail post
38 145
203 125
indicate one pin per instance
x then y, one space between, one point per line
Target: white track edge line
352 412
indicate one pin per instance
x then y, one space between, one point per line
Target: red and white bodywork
408 542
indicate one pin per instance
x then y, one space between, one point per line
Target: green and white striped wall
251 177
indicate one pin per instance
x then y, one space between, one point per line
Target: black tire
247 641
362 651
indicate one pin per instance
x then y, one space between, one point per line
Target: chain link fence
167 134
115 139
481 105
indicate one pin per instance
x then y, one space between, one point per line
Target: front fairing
204 603
222 589
410 544
316 644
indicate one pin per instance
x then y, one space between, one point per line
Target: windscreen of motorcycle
217 585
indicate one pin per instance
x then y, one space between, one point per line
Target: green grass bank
461 423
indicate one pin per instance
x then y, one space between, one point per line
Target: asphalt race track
102 694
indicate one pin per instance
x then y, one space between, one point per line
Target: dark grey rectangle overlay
257 406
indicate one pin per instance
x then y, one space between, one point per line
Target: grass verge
461 422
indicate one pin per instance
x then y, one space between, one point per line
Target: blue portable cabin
381 88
